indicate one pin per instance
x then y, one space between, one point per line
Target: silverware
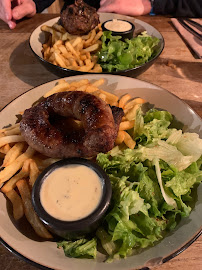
184 21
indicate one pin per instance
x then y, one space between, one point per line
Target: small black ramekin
79 228
125 34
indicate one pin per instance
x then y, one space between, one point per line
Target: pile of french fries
70 51
21 164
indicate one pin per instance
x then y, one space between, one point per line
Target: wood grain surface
176 70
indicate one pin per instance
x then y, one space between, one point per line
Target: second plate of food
65 55
144 221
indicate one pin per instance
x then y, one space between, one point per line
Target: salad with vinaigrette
152 187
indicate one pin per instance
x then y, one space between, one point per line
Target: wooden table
176 70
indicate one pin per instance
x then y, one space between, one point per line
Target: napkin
194 42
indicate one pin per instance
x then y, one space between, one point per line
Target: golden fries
29 211
125 125
11 169
13 153
69 51
11 139
129 141
16 201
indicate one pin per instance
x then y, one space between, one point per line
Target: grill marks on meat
49 128
79 18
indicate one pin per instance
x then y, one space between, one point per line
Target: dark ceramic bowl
81 227
37 38
124 34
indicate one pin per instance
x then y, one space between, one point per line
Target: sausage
61 140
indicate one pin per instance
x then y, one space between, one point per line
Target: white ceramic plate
37 38
44 253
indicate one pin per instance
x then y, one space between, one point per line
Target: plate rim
164 259
83 72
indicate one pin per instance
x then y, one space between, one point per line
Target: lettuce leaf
81 248
116 54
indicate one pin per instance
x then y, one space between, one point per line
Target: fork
190 29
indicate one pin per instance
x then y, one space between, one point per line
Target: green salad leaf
81 248
151 187
116 54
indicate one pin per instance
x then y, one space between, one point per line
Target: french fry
14 131
11 184
5 149
77 41
86 68
18 211
11 169
92 48
102 96
126 125
120 137
29 211
34 172
71 49
10 127
80 83
59 60
123 100
111 99
130 115
11 139
56 89
129 141
98 82
13 153
97 37
133 102
88 41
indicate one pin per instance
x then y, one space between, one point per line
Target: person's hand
10 11
126 7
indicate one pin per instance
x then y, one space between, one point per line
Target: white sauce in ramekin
71 192
118 25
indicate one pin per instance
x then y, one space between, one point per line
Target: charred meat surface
47 127
79 18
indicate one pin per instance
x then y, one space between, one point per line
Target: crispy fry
71 49
11 169
77 41
126 125
88 41
111 99
130 115
29 211
13 153
80 83
129 141
98 82
120 137
11 139
10 127
11 184
123 100
58 88
5 149
59 60
86 68
92 48
34 172
133 102
18 211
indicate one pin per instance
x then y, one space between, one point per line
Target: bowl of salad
99 51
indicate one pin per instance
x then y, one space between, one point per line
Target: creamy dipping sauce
71 192
118 25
